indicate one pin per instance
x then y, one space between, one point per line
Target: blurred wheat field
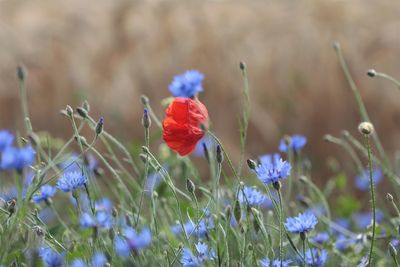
111 52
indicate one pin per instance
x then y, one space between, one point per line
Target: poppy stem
372 189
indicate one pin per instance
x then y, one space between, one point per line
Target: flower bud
21 72
220 156
100 126
237 211
82 112
366 128
146 121
252 164
242 65
277 185
190 187
69 111
86 106
144 99
205 151
371 73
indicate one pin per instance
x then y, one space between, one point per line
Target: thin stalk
245 117
24 100
280 227
371 184
388 77
146 172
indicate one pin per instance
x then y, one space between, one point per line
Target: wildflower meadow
92 200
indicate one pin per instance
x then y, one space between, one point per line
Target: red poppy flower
181 126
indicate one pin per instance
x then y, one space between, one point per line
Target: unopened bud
277 185
82 112
145 149
146 121
336 45
86 106
21 73
303 235
143 157
371 73
144 99
114 212
205 151
100 126
220 156
366 128
190 187
69 111
252 164
38 230
237 211
242 65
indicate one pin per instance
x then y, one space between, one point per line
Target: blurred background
111 52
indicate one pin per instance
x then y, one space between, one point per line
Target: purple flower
98 260
303 223
207 142
187 84
17 158
364 220
251 196
51 258
320 238
297 142
272 169
316 258
131 241
46 192
71 181
275 263
203 254
6 139
103 204
362 180
102 219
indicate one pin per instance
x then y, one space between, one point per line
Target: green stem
280 227
388 77
146 172
371 182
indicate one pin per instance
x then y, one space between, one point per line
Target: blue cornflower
362 180
395 243
131 241
103 204
320 238
17 158
46 192
208 142
275 263
102 219
98 260
70 181
342 242
316 258
272 169
205 224
303 223
51 258
187 84
251 196
188 259
203 254
297 142
364 220
152 182
6 139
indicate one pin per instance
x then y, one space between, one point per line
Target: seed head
366 128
